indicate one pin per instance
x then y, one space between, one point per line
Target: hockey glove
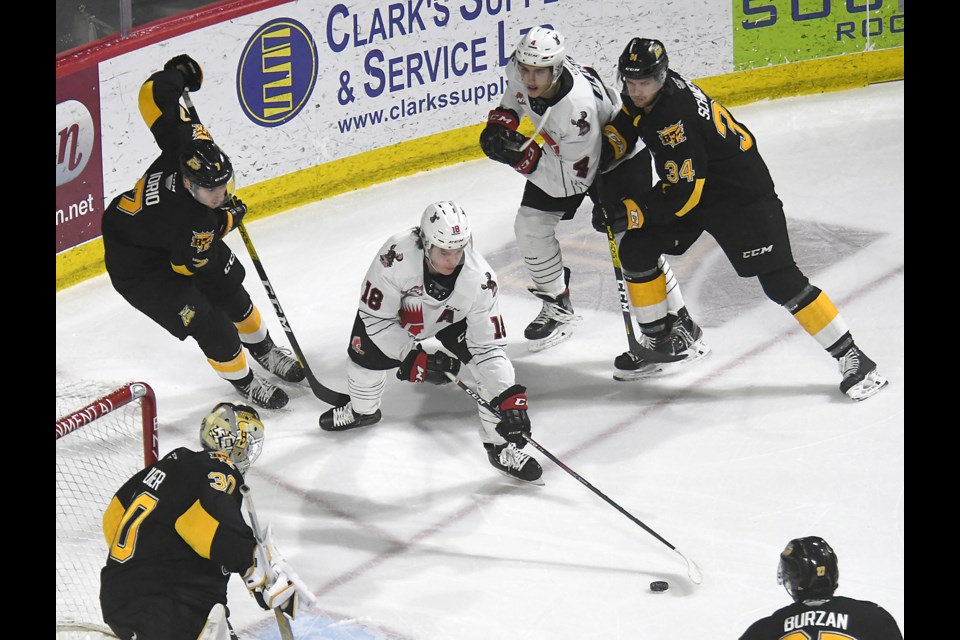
503 118
232 215
420 366
502 142
614 217
498 122
190 68
514 421
279 587
529 160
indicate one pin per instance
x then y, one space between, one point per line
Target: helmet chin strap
432 267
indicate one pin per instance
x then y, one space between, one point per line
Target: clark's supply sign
290 87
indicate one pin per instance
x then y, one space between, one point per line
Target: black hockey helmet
205 164
643 58
808 569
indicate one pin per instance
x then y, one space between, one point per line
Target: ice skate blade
697 351
538 482
550 341
868 387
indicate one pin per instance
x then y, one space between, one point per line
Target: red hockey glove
514 421
420 366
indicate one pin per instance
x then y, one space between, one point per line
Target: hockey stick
634 345
693 571
645 352
286 631
536 131
329 396
622 288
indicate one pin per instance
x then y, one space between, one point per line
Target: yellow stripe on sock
234 369
251 324
816 315
647 294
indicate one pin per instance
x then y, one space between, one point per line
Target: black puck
659 586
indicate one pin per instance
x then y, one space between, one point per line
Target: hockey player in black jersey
711 178
808 571
175 532
164 248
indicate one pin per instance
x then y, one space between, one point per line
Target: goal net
105 434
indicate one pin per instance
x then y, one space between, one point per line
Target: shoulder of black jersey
206 462
180 453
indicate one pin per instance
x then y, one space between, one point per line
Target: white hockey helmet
235 430
542 47
444 224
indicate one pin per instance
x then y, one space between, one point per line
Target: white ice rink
404 531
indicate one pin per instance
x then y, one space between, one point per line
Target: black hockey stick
693 571
634 345
329 396
286 631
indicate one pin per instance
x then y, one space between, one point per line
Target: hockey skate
277 361
556 319
512 462
681 346
860 377
344 418
262 393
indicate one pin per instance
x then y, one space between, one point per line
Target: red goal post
101 443
111 402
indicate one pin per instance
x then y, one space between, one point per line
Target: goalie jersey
176 530
573 128
400 305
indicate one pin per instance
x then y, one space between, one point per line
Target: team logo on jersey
186 314
411 318
387 259
521 98
202 240
582 124
225 441
415 291
672 135
357 346
199 263
491 285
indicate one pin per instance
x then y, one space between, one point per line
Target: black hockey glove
503 145
190 68
607 216
514 421
420 366
232 215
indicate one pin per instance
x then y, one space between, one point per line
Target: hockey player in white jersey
426 282
568 104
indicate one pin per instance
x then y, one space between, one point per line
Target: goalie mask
542 47
808 569
235 430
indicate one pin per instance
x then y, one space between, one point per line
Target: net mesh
93 461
